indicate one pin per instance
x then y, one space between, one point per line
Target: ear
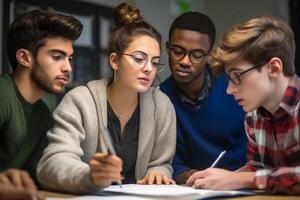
275 67
167 47
113 61
25 58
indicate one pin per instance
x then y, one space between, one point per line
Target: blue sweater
203 133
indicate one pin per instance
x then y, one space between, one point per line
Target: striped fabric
274 143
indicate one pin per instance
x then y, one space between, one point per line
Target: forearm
63 174
245 179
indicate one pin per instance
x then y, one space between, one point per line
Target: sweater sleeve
283 180
164 146
61 167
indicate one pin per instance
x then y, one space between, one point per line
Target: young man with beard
40 49
208 120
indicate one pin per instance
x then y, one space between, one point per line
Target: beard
44 83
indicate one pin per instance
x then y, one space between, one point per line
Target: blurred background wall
161 13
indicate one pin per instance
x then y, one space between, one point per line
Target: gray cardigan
76 137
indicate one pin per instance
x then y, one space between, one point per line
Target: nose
148 67
231 88
186 60
68 66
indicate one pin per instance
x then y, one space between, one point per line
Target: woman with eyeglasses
140 119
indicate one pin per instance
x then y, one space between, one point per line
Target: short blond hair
256 40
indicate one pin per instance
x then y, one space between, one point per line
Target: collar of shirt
204 92
289 103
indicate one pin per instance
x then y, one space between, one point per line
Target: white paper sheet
136 192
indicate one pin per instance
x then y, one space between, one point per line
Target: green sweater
23 128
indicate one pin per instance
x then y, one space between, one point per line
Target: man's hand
17 184
214 178
105 169
180 179
156 178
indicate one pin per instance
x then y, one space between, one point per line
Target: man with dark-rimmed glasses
208 120
262 79
234 77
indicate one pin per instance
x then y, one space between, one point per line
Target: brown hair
257 41
129 22
30 30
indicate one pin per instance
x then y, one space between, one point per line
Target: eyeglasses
140 60
196 56
235 77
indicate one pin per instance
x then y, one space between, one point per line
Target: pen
218 159
108 142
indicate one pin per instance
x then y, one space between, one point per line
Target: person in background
17 185
258 56
39 46
208 120
139 118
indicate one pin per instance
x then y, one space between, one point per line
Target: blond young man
258 57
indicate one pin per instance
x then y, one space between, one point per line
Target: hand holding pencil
197 180
105 169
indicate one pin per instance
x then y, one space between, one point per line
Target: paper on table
138 192
170 191
152 190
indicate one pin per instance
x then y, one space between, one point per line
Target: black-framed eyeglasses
140 60
196 56
235 77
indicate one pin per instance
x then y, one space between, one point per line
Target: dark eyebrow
233 69
59 51
141 52
146 54
201 50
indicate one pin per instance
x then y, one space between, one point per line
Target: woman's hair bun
126 13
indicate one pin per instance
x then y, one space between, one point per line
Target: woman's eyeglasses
140 60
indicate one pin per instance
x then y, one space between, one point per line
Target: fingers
168 181
191 172
141 182
105 168
11 193
106 162
107 177
4 179
108 159
199 183
27 182
197 175
151 178
18 179
156 178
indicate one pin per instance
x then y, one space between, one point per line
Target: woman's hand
105 169
155 178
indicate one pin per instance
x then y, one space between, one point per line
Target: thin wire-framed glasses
235 77
140 60
196 56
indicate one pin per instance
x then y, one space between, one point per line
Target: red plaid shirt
274 143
